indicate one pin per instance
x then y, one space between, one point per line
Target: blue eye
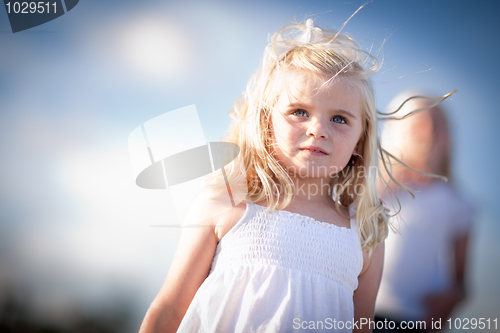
339 120
300 113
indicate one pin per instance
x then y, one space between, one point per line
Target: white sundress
277 271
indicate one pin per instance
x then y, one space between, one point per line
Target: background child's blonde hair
331 55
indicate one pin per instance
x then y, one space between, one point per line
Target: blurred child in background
425 263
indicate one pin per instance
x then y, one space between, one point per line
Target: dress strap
249 211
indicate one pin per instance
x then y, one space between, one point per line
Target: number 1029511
473 323
31 7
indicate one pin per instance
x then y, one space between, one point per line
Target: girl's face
316 129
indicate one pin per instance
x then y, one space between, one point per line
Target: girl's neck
312 199
312 189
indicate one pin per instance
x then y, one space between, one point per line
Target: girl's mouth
315 152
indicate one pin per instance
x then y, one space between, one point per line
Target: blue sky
73 89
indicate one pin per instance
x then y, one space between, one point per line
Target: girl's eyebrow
300 105
348 113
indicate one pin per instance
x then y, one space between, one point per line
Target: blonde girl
304 250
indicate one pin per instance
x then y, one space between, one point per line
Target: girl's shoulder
214 209
228 219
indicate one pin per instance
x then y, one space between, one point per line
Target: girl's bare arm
368 284
189 268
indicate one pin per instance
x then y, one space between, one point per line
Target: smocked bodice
275 270
292 241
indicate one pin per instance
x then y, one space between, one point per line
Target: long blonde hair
332 55
327 55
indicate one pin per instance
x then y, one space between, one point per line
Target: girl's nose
317 129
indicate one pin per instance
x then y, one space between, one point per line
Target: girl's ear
356 153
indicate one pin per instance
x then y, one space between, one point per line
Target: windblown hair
429 151
335 56
327 55
436 165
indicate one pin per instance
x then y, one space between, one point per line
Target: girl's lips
314 151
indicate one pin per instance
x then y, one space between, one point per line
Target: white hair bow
277 48
312 33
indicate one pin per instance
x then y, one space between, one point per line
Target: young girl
305 249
